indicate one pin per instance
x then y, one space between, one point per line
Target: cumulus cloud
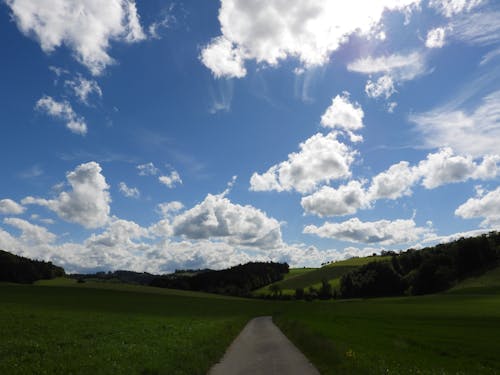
84 88
272 31
85 27
383 86
30 233
119 233
382 232
10 207
344 116
436 38
218 218
450 8
322 158
168 208
223 58
63 111
393 183
486 206
147 169
87 203
439 168
171 179
444 167
475 132
345 200
129 192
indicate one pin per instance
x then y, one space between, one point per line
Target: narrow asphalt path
262 349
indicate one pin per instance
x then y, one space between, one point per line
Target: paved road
262 349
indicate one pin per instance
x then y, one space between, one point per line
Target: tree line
239 280
429 270
17 269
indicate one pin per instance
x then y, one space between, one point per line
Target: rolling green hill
484 284
60 327
307 277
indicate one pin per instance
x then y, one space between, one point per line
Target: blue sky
155 135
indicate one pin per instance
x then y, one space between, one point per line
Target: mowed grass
307 277
449 333
95 329
128 330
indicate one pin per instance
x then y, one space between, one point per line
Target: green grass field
116 329
102 328
307 277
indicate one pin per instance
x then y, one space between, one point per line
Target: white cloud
444 167
87 203
382 232
155 29
383 86
450 8
63 111
84 88
41 219
218 218
393 183
10 207
166 209
479 28
129 192
475 132
399 67
486 207
147 169
272 31
222 96
119 233
345 200
391 69
436 38
344 116
30 233
223 59
491 55
170 180
440 168
86 27
322 158
391 107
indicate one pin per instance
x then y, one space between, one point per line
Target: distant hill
17 269
127 277
237 281
429 270
304 278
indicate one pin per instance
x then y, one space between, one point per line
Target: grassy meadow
61 327
105 328
312 277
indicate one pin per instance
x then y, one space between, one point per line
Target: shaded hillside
429 270
17 269
238 281
487 283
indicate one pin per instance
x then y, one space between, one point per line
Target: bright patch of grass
313 276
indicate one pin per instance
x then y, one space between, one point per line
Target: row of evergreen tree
429 270
17 269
